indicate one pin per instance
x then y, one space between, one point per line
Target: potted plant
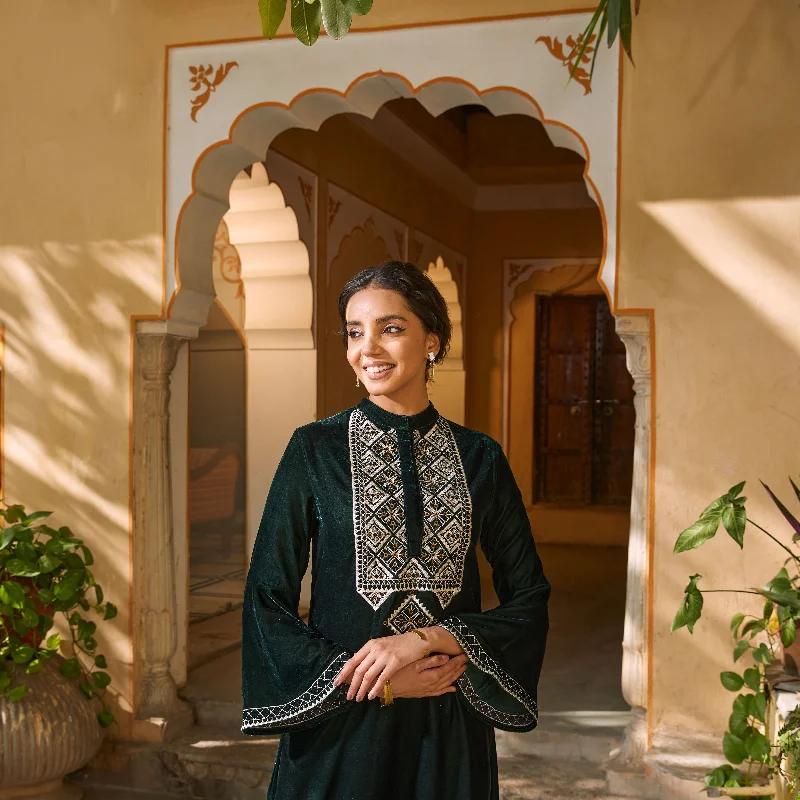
757 754
52 708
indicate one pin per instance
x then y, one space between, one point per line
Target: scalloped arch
254 129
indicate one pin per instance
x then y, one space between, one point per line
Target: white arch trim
498 64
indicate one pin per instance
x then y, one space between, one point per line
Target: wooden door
583 415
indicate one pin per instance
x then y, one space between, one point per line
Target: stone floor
521 778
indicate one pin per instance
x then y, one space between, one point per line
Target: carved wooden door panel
583 416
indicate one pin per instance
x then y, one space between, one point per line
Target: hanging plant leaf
306 19
272 13
691 607
732 681
785 511
336 17
626 28
734 518
359 7
613 17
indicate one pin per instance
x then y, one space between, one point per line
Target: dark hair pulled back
417 289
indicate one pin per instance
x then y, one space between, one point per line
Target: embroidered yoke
395 507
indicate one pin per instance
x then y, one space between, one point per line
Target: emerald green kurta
395 507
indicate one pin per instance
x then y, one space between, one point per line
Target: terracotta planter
51 732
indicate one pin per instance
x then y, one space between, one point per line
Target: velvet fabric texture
390 509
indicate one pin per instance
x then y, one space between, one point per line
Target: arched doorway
462 71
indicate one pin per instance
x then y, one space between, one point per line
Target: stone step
592 736
221 763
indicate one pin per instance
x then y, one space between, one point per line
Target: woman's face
387 346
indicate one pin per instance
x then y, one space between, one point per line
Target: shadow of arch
255 128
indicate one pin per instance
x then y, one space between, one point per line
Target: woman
395 686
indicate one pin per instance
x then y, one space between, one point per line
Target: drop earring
357 381
431 357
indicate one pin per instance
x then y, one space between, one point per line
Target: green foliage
44 572
759 636
307 16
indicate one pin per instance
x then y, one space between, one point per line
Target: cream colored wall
709 238
710 172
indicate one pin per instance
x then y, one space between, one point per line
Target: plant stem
734 591
777 541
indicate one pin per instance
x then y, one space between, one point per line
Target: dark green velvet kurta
395 507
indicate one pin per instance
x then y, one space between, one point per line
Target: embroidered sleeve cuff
480 658
320 698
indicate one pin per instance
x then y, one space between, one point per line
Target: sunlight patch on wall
751 245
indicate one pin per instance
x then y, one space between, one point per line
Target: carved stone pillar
160 714
634 330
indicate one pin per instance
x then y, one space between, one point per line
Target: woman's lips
377 376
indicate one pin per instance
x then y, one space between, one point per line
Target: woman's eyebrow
380 319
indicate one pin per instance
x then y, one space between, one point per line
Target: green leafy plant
761 637
306 16
44 572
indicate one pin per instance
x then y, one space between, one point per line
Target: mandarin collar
386 419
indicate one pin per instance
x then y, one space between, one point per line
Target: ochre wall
709 239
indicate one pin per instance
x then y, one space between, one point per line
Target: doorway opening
458 194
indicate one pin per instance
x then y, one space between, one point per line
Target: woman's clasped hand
401 659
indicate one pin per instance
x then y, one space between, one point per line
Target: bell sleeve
505 645
287 666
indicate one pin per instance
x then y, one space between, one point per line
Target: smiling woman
396 499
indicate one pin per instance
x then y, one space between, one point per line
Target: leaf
88 558
272 13
752 678
796 488
336 17
30 617
785 511
702 530
691 608
753 627
734 491
100 661
306 18
781 599
359 7
7 535
788 633
732 681
742 646
21 569
734 518
70 668
757 746
37 515
759 707
49 562
614 15
11 594
582 44
626 28
17 693
86 688
733 748
101 679
53 641
736 621
105 718
34 667
738 720
23 654
98 594
110 612
763 655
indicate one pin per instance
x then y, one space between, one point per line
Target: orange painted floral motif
205 80
569 58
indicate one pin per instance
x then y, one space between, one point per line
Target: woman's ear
432 345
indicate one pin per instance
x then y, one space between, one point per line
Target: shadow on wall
66 309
